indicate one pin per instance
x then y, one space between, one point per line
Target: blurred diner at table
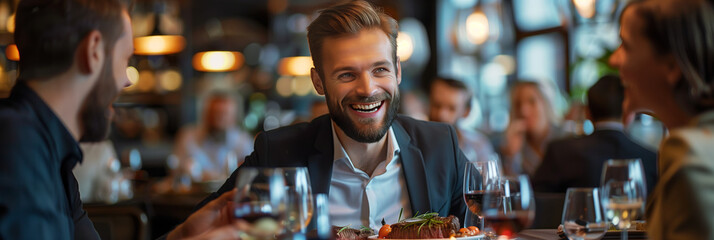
212 149
450 102
533 124
578 161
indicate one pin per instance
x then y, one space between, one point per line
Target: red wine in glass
474 199
508 224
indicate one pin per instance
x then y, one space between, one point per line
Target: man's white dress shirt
358 199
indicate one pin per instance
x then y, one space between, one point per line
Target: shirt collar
63 142
609 125
341 154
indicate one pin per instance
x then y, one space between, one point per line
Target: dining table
552 234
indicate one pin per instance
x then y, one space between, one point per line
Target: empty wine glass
623 192
480 177
299 199
582 214
260 200
510 209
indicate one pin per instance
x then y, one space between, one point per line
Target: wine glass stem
624 234
481 223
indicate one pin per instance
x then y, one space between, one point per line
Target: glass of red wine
260 200
512 208
480 177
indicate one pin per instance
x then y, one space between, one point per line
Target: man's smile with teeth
367 107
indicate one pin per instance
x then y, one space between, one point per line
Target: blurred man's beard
370 135
95 113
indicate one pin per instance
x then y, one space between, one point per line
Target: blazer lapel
320 164
413 169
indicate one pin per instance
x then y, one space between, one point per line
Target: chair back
118 222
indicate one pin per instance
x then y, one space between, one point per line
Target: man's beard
370 135
95 112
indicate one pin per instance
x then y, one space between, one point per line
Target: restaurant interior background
258 51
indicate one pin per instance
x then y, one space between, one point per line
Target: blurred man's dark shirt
39 197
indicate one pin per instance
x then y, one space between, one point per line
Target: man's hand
213 221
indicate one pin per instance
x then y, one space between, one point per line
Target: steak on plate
423 228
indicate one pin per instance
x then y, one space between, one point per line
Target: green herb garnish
343 228
426 219
363 228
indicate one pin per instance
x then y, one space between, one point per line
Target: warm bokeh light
586 8
302 85
218 61
159 45
133 76
295 66
170 80
284 86
12 53
146 81
11 24
405 46
508 63
477 30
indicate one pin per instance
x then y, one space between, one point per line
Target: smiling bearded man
370 104
371 161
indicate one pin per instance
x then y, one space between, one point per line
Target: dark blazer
431 160
577 162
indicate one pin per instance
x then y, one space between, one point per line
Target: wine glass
480 177
582 214
510 209
299 199
623 192
260 200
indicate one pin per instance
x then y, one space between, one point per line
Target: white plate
480 236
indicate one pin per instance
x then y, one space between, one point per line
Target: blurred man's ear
674 73
317 82
90 53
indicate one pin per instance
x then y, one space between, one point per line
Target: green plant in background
578 92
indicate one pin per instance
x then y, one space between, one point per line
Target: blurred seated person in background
206 151
372 161
533 124
449 102
666 62
578 161
63 96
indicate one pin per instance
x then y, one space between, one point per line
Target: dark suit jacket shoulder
429 152
577 162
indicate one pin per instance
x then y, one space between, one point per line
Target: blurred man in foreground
74 55
449 102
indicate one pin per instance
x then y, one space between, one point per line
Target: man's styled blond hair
346 19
